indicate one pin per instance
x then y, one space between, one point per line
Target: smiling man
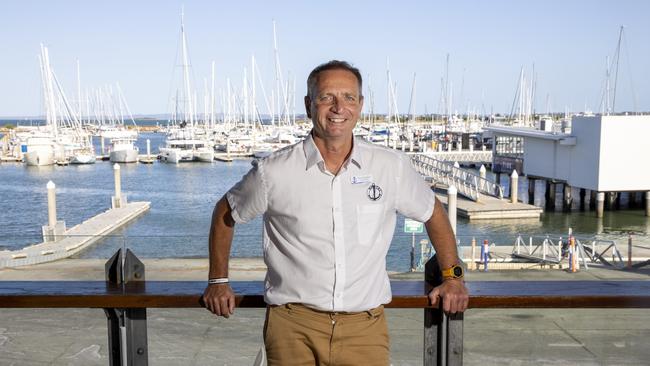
330 205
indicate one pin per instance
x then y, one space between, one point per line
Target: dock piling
583 193
54 227
568 199
514 184
600 204
531 191
117 200
148 148
647 203
482 171
452 196
51 204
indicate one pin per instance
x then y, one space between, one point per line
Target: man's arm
219 298
452 291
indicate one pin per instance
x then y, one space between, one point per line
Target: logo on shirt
374 192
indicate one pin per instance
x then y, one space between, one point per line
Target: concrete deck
75 239
195 337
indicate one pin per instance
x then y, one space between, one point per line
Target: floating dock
76 239
491 208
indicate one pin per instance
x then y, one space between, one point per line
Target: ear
308 106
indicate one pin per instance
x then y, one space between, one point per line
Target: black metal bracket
443 333
127 328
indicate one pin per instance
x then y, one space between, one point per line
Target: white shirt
326 236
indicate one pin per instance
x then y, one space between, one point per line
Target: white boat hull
83 159
124 156
39 158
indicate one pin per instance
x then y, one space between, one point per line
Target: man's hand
454 296
219 299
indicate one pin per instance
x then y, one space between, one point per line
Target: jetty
490 208
59 242
76 239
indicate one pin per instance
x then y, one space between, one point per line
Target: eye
327 98
350 98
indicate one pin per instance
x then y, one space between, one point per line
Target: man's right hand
219 299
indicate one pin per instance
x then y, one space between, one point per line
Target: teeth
337 120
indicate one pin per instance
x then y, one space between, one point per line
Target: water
182 198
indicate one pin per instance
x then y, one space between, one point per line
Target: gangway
462 157
588 250
469 185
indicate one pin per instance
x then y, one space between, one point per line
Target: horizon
136 45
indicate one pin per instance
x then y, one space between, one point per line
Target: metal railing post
127 328
443 334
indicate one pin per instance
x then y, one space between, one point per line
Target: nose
337 105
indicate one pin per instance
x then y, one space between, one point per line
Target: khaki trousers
297 335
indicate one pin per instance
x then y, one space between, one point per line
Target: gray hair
332 65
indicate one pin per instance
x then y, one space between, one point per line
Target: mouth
336 120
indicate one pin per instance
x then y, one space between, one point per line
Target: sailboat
183 143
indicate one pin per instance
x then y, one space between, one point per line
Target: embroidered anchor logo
374 192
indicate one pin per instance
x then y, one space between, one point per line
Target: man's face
334 105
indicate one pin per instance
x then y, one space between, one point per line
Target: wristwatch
454 271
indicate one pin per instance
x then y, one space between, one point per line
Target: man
329 206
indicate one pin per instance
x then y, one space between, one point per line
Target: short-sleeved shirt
326 236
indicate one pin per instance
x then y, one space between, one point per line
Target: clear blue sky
135 43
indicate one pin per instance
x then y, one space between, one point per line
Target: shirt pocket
370 221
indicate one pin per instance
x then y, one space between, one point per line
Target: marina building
605 155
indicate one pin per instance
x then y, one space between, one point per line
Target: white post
600 204
118 186
411 145
148 148
459 146
403 145
452 195
101 140
647 203
449 146
482 171
439 147
471 146
514 181
51 204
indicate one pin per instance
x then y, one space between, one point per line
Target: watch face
458 271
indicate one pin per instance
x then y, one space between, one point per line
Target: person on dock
330 205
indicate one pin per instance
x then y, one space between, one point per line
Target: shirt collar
313 156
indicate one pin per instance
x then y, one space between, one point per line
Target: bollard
51 204
629 252
118 187
148 148
573 255
485 253
482 171
514 181
473 261
452 195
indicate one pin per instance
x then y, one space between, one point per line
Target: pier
76 239
490 207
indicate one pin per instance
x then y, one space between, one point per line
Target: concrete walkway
195 337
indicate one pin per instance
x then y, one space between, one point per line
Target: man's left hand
454 296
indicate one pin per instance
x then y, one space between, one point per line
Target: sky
136 44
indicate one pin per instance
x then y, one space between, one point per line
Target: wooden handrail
249 294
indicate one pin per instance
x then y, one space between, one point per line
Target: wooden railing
126 295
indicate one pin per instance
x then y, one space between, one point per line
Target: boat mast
189 115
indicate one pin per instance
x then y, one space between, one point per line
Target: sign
413 227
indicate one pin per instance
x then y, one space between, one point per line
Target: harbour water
182 198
